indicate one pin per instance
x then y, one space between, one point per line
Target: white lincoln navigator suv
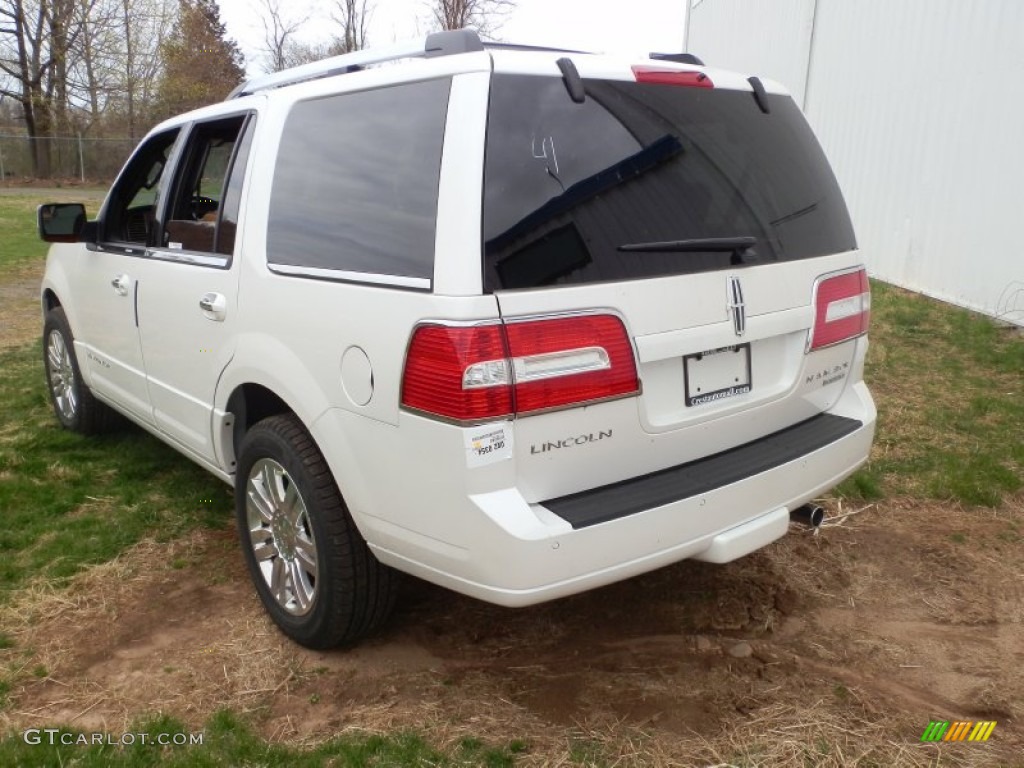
518 322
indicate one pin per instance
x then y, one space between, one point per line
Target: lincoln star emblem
736 307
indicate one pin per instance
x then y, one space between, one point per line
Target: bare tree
483 15
283 49
63 32
27 61
115 62
352 16
93 61
144 26
298 53
70 65
91 47
278 32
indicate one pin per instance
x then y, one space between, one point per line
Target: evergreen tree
201 66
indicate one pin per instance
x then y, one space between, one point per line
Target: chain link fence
74 157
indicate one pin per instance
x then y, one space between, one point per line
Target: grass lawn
21 242
68 501
949 385
227 741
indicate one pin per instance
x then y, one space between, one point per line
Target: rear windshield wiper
694 245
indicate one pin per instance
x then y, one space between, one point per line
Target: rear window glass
567 184
355 187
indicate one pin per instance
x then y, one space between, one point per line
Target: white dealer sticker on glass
488 444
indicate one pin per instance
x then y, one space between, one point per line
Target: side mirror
61 222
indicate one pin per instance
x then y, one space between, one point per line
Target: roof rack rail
519 47
447 43
679 58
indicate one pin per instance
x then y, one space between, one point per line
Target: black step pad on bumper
610 502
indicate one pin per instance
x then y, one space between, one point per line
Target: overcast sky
634 26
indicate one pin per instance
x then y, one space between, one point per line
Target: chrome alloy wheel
281 537
62 375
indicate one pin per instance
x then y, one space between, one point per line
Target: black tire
73 403
346 594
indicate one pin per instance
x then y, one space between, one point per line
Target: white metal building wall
772 39
920 107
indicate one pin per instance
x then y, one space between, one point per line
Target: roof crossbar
447 43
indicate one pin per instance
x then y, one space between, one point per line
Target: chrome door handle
120 284
214 306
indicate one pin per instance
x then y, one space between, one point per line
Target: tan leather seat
191 235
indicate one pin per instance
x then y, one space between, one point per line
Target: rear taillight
438 363
483 372
842 308
571 360
657 76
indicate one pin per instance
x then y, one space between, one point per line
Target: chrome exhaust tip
810 515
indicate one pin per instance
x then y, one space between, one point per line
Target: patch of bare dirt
829 649
20 315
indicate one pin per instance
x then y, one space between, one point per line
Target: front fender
57 281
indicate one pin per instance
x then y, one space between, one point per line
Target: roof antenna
573 81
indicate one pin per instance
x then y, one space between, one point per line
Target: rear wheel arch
250 404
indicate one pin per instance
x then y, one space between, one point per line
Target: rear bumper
611 502
520 554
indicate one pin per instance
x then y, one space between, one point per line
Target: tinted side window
355 186
566 185
232 202
196 217
130 212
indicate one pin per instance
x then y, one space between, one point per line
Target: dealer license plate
717 374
